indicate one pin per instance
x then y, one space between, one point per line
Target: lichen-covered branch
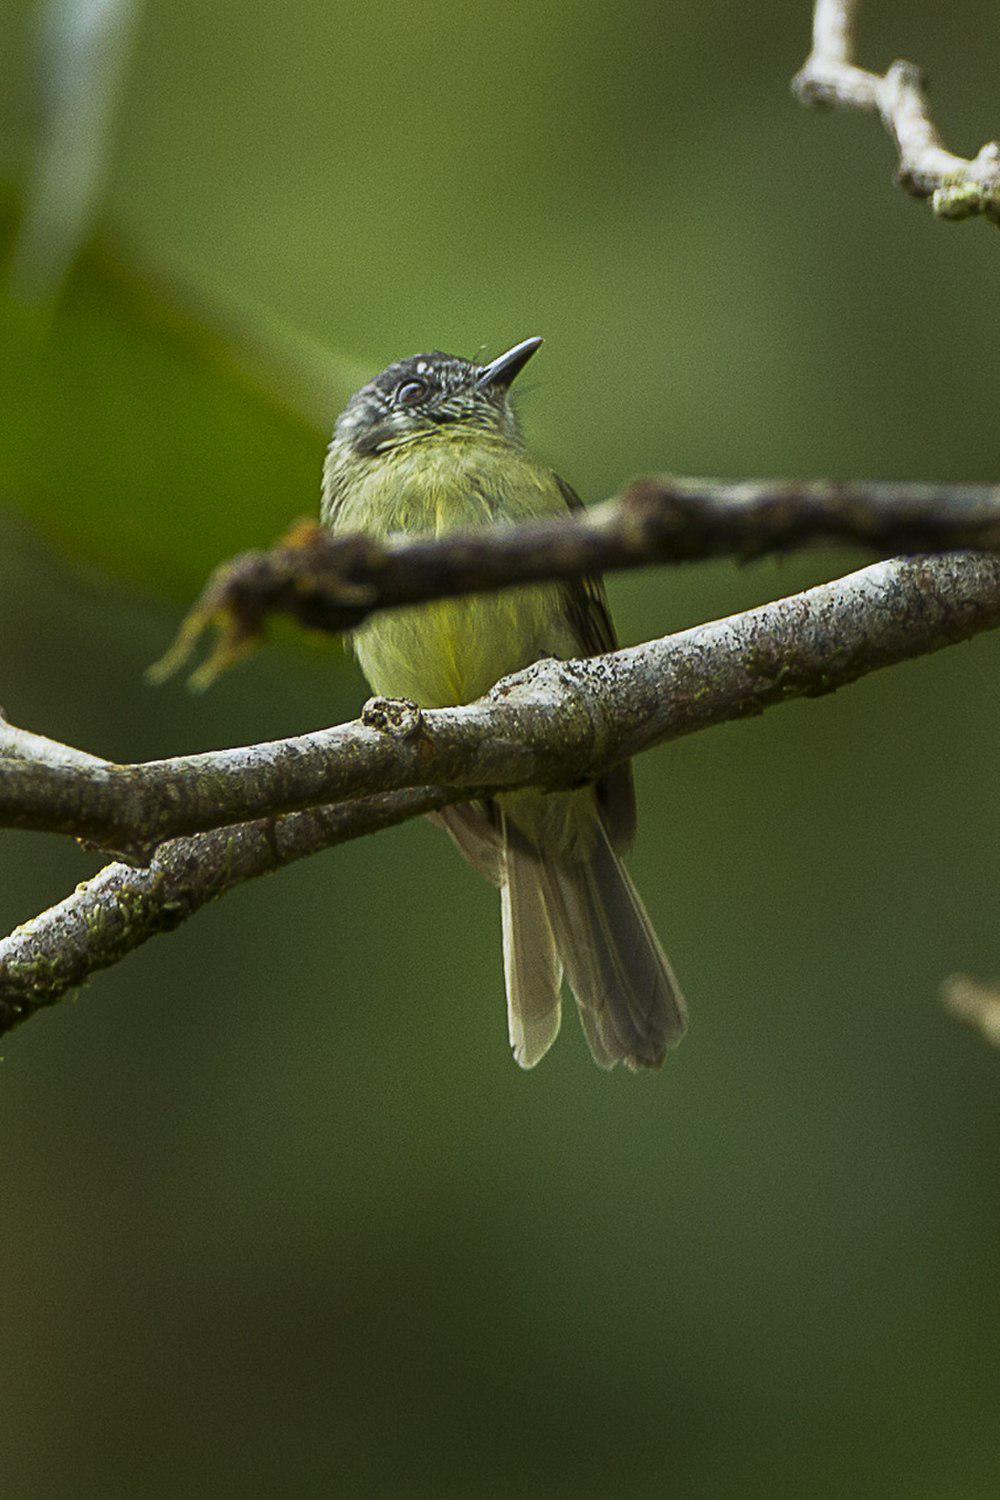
555 724
123 907
331 583
38 750
957 186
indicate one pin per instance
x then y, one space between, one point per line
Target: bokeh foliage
279 1212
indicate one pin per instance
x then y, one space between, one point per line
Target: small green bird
432 445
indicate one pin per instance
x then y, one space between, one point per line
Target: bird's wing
591 623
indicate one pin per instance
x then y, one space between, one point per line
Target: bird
430 446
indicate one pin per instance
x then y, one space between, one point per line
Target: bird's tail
586 916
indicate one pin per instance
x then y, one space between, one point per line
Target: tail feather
631 1005
587 915
532 971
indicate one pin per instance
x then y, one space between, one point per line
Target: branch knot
399 718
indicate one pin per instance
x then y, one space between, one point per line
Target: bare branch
956 185
333 582
556 723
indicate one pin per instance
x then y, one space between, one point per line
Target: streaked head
429 393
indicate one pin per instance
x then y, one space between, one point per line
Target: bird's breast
454 651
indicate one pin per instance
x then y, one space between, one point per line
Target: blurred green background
280 1215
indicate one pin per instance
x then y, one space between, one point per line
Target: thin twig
957 186
557 722
332 583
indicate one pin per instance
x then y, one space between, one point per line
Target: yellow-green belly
443 654
452 652
440 655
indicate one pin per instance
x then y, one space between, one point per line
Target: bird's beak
503 370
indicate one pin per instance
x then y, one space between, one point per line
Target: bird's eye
410 392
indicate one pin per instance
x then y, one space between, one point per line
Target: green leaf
151 429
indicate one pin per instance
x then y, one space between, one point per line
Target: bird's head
431 394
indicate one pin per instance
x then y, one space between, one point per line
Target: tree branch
332 582
122 907
555 724
200 825
956 185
